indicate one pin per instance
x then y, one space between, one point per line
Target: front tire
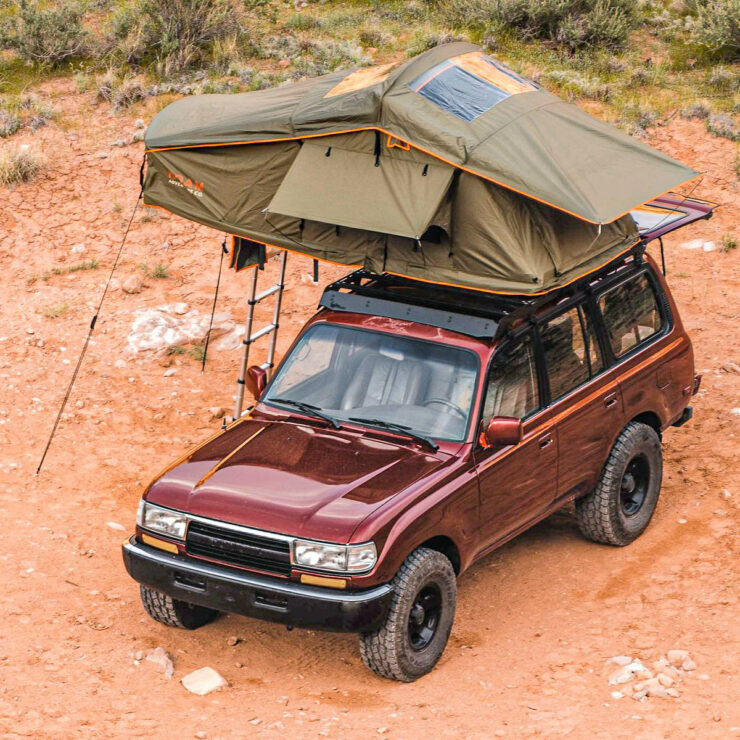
173 612
619 509
417 627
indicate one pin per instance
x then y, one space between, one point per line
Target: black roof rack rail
464 310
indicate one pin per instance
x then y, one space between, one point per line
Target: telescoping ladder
271 329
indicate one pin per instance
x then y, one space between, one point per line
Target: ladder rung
261 333
266 293
266 365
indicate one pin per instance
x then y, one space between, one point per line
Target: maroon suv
409 431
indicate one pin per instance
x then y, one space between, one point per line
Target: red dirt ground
536 620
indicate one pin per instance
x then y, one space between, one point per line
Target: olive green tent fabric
449 168
341 184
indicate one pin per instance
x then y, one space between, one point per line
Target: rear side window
571 351
512 383
631 314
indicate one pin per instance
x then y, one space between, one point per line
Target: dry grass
18 165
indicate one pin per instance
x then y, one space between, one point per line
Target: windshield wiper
309 409
402 428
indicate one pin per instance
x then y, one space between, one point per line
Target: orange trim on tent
421 149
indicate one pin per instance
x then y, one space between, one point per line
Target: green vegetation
88 265
729 242
635 62
160 271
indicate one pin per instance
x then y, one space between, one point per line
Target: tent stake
89 334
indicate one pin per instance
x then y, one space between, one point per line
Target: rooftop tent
449 168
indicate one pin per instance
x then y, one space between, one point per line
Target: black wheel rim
424 616
634 486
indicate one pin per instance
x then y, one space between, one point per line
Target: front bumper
254 595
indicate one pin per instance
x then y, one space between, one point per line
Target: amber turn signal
159 544
321 581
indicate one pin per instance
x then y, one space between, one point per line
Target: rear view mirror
503 431
256 380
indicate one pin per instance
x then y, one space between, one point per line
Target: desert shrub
18 165
717 27
9 123
729 242
423 40
637 119
175 34
312 58
698 111
724 80
573 24
724 126
121 91
46 34
303 22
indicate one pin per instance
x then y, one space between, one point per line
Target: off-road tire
601 517
173 612
388 651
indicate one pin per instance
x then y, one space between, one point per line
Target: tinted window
631 314
512 383
358 375
571 352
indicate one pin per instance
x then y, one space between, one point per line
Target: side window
631 314
571 351
512 383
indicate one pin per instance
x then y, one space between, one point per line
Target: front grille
238 548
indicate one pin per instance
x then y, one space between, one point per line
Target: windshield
358 375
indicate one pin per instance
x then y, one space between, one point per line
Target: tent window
470 84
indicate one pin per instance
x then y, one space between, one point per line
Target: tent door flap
399 195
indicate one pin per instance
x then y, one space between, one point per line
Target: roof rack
466 311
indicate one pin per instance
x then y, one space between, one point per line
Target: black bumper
257 596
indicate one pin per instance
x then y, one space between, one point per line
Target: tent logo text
180 181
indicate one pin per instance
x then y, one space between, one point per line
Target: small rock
682 521
217 412
676 657
139 655
621 675
693 244
80 404
139 123
704 677
116 526
115 284
672 692
688 665
159 656
255 721
233 641
180 308
726 493
735 411
119 143
720 512
382 730
639 695
617 695
203 681
709 246
78 249
119 363
132 284
170 372
201 735
30 331
620 660
665 680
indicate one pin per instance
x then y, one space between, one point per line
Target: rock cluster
662 679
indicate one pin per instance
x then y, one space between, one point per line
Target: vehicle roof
473 313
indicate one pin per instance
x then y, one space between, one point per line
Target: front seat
382 381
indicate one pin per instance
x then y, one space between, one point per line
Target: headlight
342 558
165 521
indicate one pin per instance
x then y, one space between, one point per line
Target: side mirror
503 431
256 380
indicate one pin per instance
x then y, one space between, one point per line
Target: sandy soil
536 620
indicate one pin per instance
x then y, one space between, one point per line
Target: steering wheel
453 406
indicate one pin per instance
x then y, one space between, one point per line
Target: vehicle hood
294 478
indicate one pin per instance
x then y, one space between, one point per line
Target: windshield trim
476 384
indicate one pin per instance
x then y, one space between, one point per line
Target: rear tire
417 627
173 612
619 509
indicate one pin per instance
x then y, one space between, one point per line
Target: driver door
516 482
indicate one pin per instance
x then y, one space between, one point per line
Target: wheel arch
445 545
651 419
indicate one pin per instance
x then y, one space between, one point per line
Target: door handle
545 441
611 400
